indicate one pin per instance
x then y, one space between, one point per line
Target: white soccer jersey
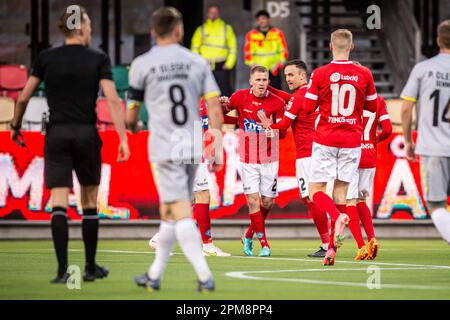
429 83
173 79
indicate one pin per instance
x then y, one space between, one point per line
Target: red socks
201 214
250 231
325 204
257 220
354 226
320 220
366 220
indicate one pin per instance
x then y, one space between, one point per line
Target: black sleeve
136 95
105 68
38 68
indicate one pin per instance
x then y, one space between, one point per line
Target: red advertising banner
127 190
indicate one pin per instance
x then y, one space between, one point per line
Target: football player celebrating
361 185
341 91
258 153
303 129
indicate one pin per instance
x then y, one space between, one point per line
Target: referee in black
72 74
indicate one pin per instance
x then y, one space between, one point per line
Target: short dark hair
258 69
164 21
300 64
63 22
262 13
444 34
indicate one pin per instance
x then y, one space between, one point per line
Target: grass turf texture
408 271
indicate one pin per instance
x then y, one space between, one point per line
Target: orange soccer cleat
362 254
373 248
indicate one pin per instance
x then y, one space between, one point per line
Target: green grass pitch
408 269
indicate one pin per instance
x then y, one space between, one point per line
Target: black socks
60 234
90 236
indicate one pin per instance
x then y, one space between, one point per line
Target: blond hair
342 39
443 32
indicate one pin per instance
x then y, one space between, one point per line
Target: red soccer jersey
303 124
369 142
254 146
341 90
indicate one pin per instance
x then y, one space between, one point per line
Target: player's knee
316 187
202 197
351 202
267 203
89 196
434 205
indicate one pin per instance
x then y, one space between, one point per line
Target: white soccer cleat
215 252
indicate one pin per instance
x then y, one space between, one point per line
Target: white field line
244 275
371 263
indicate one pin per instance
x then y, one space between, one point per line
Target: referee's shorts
71 147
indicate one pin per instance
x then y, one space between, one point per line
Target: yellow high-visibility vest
216 42
268 50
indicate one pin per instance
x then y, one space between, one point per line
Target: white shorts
328 163
302 169
201 178
361 185
174 181
260 178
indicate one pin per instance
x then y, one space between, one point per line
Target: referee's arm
117 115
21 105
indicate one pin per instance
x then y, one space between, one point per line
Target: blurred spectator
215 40
266 46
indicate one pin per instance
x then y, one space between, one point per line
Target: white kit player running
172 79
201 202
341 91
429 84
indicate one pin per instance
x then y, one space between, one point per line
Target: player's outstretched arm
283 95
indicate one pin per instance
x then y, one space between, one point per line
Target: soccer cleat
362 254
329 258
98 273
61 278
207 286
339 232
215 252
373 248
149 284
318 254
248 246
265 252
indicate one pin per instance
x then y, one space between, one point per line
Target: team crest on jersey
252 126
289 104
335 77
205 122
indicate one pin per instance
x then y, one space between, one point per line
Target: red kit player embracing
258 153
303 129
